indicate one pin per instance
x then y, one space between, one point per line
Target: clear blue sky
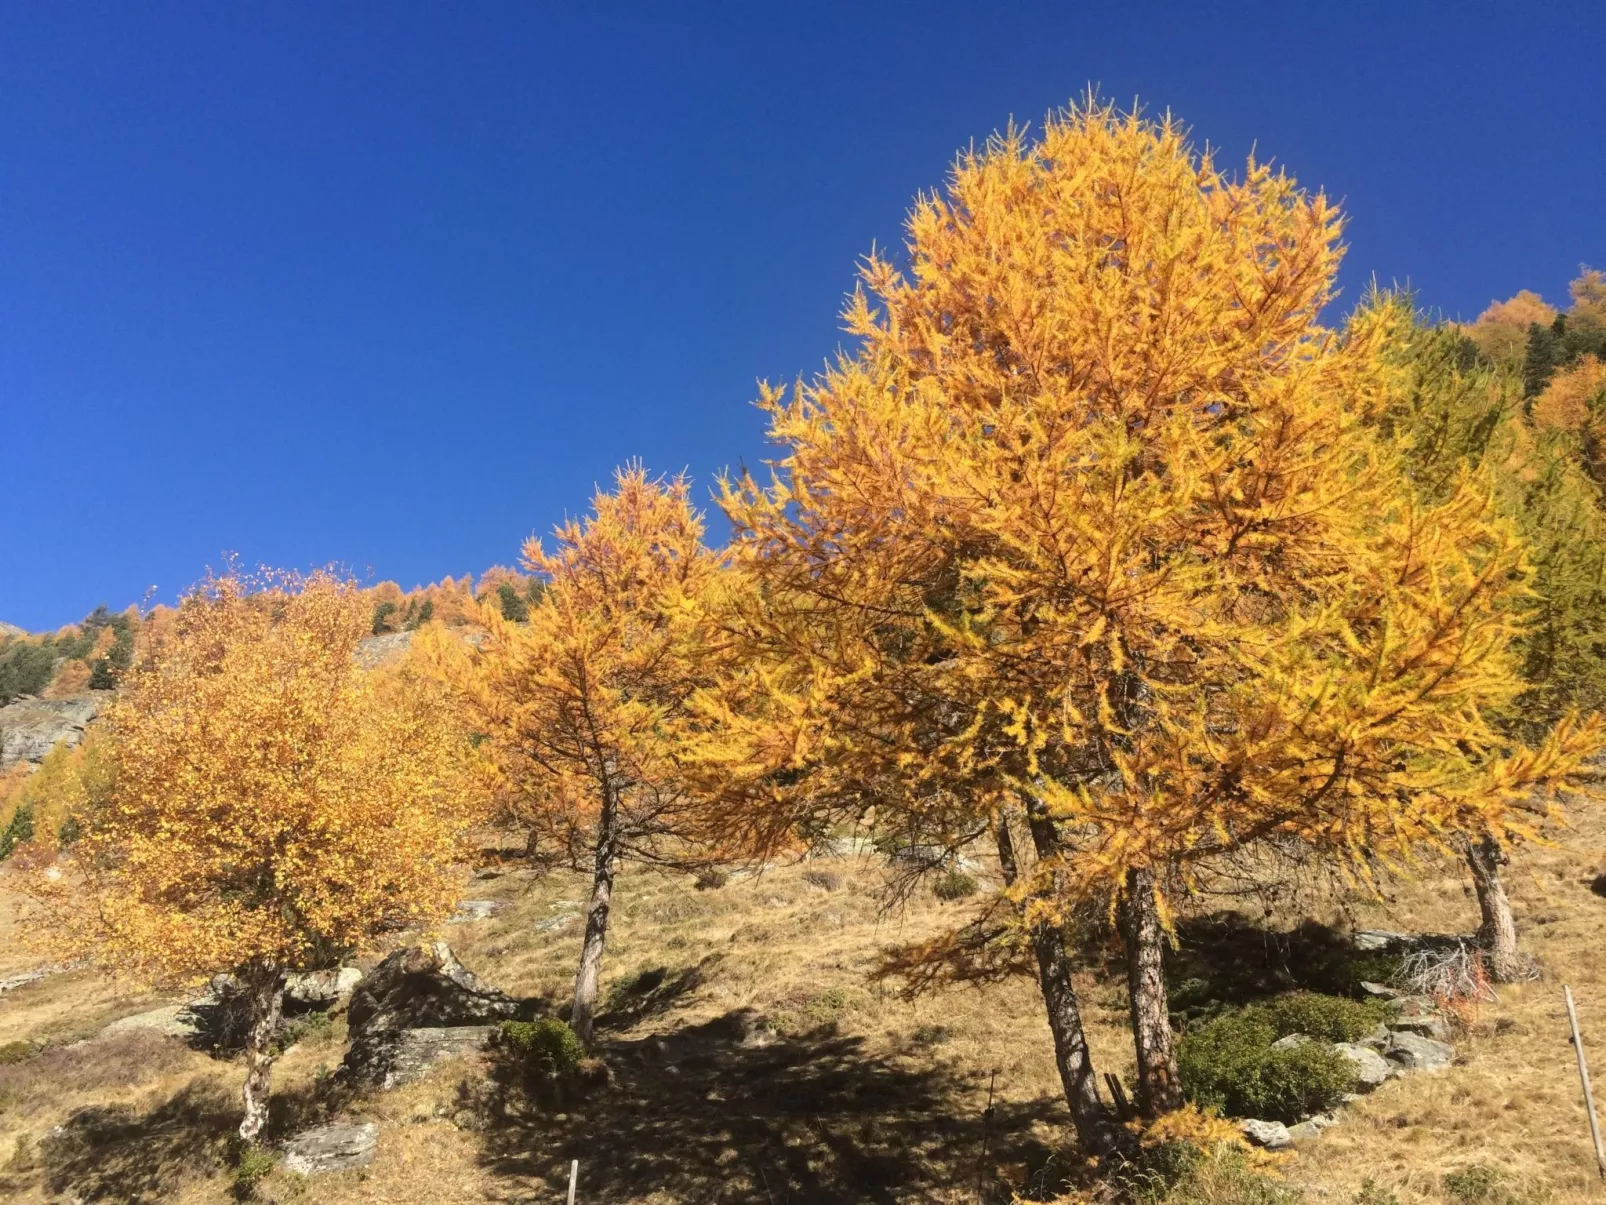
394 284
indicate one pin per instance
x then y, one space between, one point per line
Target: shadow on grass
1226 959
114 1153
707 1113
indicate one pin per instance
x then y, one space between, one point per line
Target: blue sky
394 285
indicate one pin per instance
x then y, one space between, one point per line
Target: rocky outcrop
8 630
331 1148
31 728
418 1007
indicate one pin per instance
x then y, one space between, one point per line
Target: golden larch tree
1092 526
585 701
271 806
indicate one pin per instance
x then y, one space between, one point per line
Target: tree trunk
1095 1130
1498 932
1159 1089
589 977
264 985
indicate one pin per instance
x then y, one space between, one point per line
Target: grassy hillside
753 1059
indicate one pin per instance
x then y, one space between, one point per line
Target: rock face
415 1051
1273 1135
31 728
320 989
1416 1053
1370 1068
419 1006
331 1148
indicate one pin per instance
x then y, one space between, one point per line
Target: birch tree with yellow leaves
1092 526
272 807
585 702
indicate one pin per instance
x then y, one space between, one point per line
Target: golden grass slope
843 1092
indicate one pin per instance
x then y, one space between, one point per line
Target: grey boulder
1273 1135
1412 1052
331 1148
415 1051
1370 1068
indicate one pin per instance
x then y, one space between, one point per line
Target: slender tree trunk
1095 1130
589 977
264 985
1159 1090
1498 932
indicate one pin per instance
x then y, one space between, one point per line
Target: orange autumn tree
272 807
1091 532
584 703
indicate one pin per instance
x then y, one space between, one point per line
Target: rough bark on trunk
1095 1129
264 984
586 981
1159 1089
1498 932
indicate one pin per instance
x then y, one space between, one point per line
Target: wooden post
1583 1075
574 1178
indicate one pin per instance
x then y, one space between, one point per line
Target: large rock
419 1006
1370 1068
320 989
331 1148
171 1020
1426 1025
1273 1135
426 987
413 1052
1412 1052
31 728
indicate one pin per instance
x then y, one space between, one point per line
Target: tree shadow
113 1153
726 1112
647 994
1227 959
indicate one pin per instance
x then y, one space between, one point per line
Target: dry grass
846 1093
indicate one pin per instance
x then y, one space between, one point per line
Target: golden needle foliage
270 803
584 705
1095 515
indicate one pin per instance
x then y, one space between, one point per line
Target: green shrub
25 668
547 1045
1229 1064
1373 1193
253 1164
382 618
1477 1184
1331 1018
18 830
15 1052
955 885
515 608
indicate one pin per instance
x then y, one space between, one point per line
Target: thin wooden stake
1583 1075
574 1178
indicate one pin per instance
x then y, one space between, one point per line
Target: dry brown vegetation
753 1059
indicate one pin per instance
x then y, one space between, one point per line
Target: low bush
1331 1018
252 1165
955 885
546 1046
15 1052
1477 1184
1230 1064
17 831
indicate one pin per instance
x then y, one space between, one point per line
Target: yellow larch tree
585 701
271 806
1092 526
